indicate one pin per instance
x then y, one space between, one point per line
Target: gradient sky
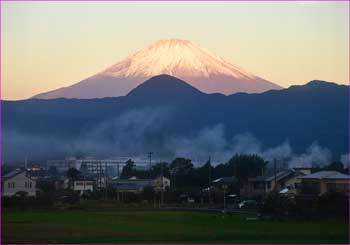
48 45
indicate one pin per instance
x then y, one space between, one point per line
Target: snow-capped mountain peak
175 57
180 58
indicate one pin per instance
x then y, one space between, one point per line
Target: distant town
245 181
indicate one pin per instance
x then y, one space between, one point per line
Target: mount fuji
180 58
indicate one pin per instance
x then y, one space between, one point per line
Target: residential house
325 181
83 185
49 182
16 182
285 181
161 183
224 183
132 184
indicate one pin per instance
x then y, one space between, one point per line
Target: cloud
315 155
207 142
345 159
133 132
212 142
283 151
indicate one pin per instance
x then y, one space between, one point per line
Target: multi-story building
109 167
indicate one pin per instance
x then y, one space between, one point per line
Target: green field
128 226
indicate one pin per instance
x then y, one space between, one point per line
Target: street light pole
162 185
224 187
209 188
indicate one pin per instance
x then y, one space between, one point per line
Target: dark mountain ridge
163 108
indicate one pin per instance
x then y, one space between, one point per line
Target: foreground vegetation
155 226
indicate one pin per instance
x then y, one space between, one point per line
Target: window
338 187
310 187
28 184
11 185
331 187
259 185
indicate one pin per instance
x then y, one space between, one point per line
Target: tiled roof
271 177
13 173
326 175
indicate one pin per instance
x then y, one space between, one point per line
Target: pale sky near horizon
48 45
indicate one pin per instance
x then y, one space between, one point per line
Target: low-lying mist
136 132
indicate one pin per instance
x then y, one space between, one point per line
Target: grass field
120 226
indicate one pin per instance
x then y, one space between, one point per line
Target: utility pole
162 184
84 178
209 161
150 159
118 175
209 179
224 187
26 166
105 180
99 175
274 172
25 163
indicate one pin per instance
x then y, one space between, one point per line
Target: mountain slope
152 116
183 59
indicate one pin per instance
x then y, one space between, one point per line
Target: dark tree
336 166
181 166
53 171
246 166
203 175
73 174
221 170
242 167
84 169
159 169
181 171
128 169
